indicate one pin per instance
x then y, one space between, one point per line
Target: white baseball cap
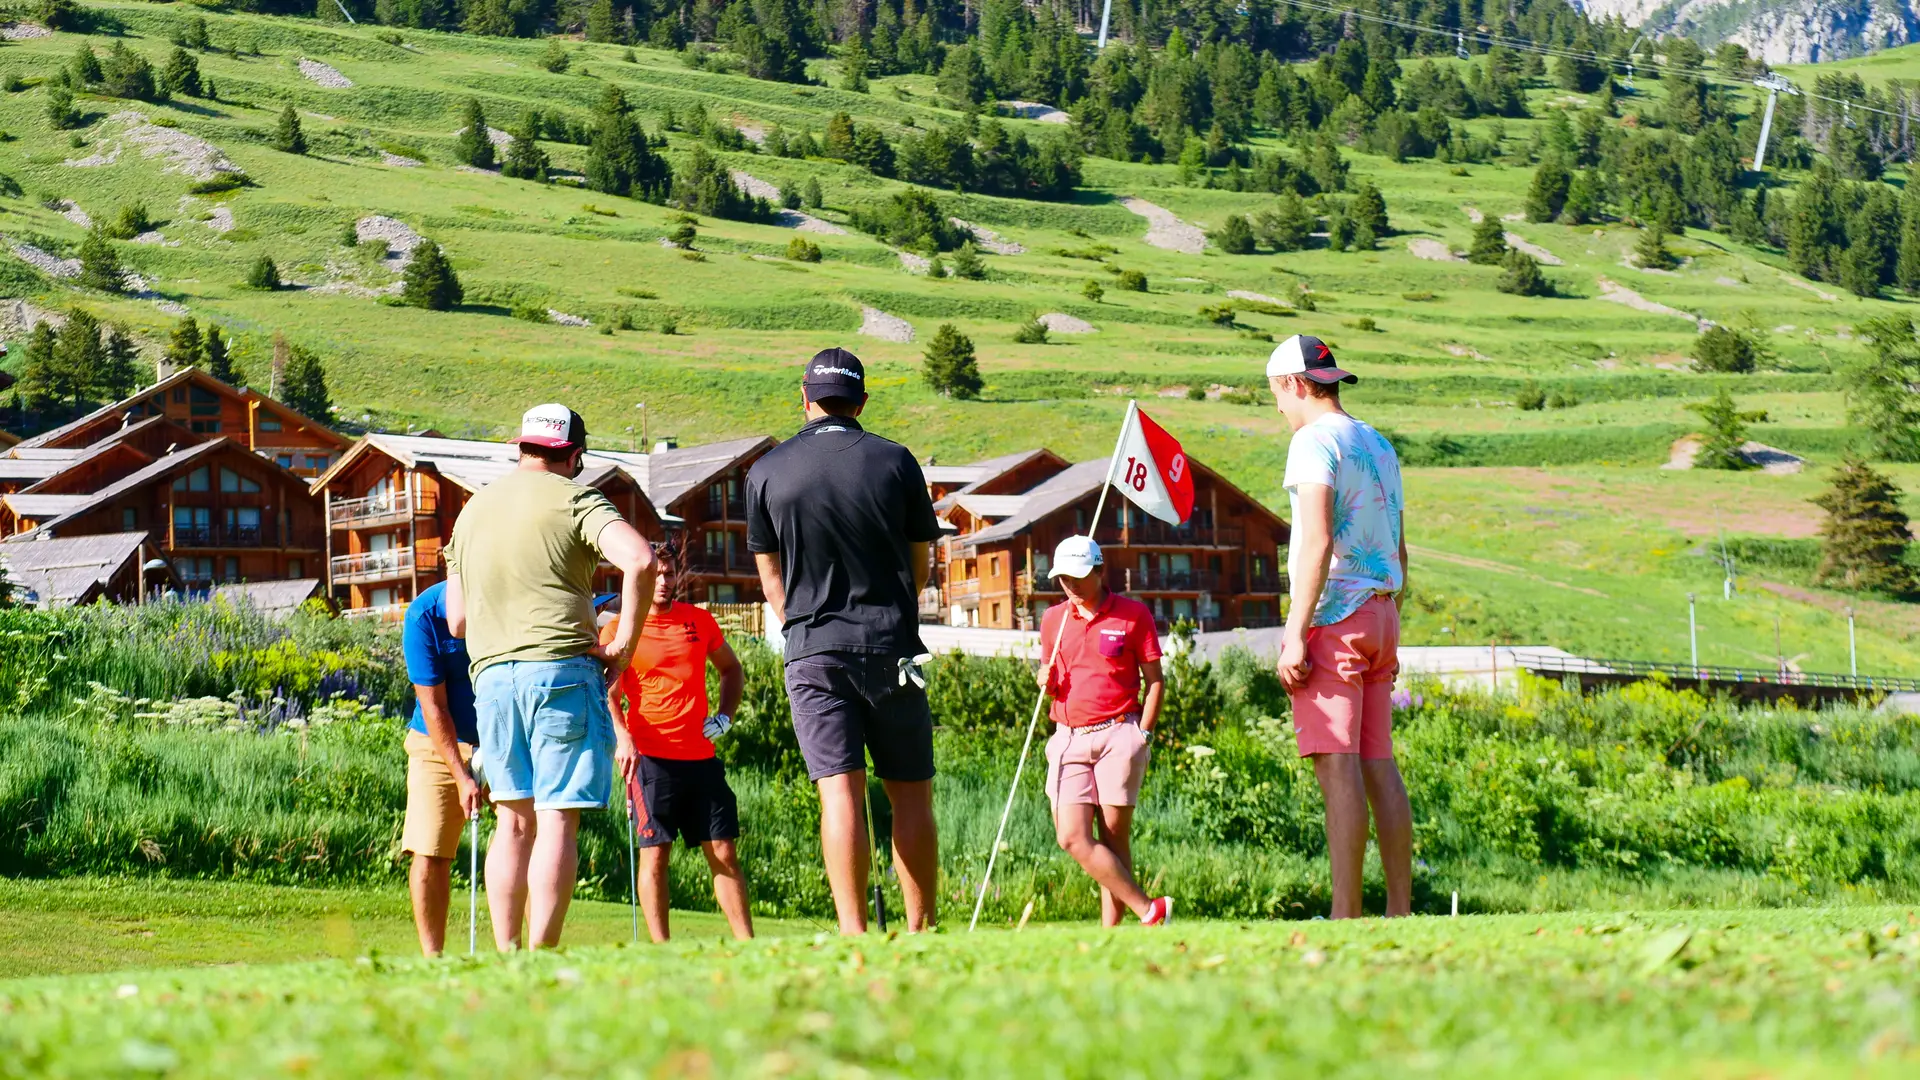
1303 354
1076 557
555 427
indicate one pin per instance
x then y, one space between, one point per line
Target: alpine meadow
1653 389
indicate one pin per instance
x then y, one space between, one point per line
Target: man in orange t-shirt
675 783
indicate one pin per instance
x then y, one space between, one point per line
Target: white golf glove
717 725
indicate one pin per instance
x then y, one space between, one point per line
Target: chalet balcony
392 508
963 589
1028 583
1195 533
1137 580
382 613
370 566
734 509
735 563
185 537
1261 584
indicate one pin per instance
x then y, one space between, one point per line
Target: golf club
473 864
633 879
879 869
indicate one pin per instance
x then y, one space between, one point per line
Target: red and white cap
1304 354
555 427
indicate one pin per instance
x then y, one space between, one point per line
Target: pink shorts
1346 706
1102 767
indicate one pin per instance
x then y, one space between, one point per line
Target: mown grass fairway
1730 993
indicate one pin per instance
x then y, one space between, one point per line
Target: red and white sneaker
1159 912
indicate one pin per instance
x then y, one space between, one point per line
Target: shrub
949 365
528 311
99 263
1863 541
811 195
218 183
1562 399
1092 290
1196 393
800 249
1530 398
1726 432
1235 236
1720 349
131 222
968 264
1133 281
1218 314
429 281
556 58
60 111
683 236
1521 276
1489 247
263 274
1031 332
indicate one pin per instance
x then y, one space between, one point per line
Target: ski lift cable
1529 46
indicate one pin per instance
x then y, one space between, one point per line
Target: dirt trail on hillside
324 74
1432 250
878 324
1164 230
1620 294
1769 459
987 240
1060 323
1540 254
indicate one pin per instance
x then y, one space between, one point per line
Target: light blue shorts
545 733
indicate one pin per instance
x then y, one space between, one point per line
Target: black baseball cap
1303 354
834 373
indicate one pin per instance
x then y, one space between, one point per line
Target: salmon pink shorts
1101 768
1346 706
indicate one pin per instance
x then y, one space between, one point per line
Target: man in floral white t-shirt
1348 562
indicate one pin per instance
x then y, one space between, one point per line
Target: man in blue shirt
441 791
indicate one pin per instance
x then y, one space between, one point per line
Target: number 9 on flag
1152 470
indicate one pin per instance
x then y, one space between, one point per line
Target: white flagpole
1106 11
1033 722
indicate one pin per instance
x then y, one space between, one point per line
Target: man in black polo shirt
839 523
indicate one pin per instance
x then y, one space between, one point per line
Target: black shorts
849 705
690 799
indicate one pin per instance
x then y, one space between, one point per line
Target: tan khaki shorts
1102 767
434 819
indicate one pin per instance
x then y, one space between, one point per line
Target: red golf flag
1151 470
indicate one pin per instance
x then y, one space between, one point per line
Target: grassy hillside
1506 499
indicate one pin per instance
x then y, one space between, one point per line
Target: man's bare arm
1156 687
922 565
1312 542
1406 570
772 583
446 743
733 678
629 552
456 606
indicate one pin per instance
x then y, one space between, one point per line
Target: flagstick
993 854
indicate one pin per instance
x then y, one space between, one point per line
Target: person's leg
653 889
843 843
916 849
1346 798
1073 828
430 880
507 856
550 876
1392 830
1116 831
729 887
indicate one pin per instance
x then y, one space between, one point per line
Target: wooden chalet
702 490
1224 568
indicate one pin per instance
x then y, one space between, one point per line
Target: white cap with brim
1075 557
555 427
1305 355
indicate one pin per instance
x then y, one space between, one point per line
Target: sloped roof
473 463
986 471
161 467
30 468
270 597
41 507
1060 490
184 375
990 506
673 473
952 474
70 569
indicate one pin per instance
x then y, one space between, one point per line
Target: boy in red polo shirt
675 782
1097 755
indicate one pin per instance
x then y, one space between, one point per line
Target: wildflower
1200 751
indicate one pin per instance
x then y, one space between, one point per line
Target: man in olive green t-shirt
520 590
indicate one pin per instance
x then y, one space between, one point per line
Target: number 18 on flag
1151 470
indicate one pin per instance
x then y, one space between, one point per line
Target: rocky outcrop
1777 31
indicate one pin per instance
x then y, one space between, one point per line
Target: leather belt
1088 729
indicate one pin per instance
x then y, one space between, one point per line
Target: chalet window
1042 563
230 569
296 568
285 461
380 598
318 461
205 427
179 395
203 402
197 480
993 567
231 481
194 571
996 611
129 520
243 524
268 423
722 594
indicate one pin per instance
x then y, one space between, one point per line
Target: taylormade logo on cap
822 369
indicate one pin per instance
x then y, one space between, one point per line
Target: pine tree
60 111
602 24
525 160
263 274
1726 432
82 359
119 373
474 146
1906 271
429 281
217 358
1583 198
42 384
1548 194
1863 541
1651 253
950 367
184 347
99 263
1235 235
1720 349
182 73
811 194
304 385
287 137
1521 276
1288 226
1489 247
853 65
967 263
1369 213
1879 388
